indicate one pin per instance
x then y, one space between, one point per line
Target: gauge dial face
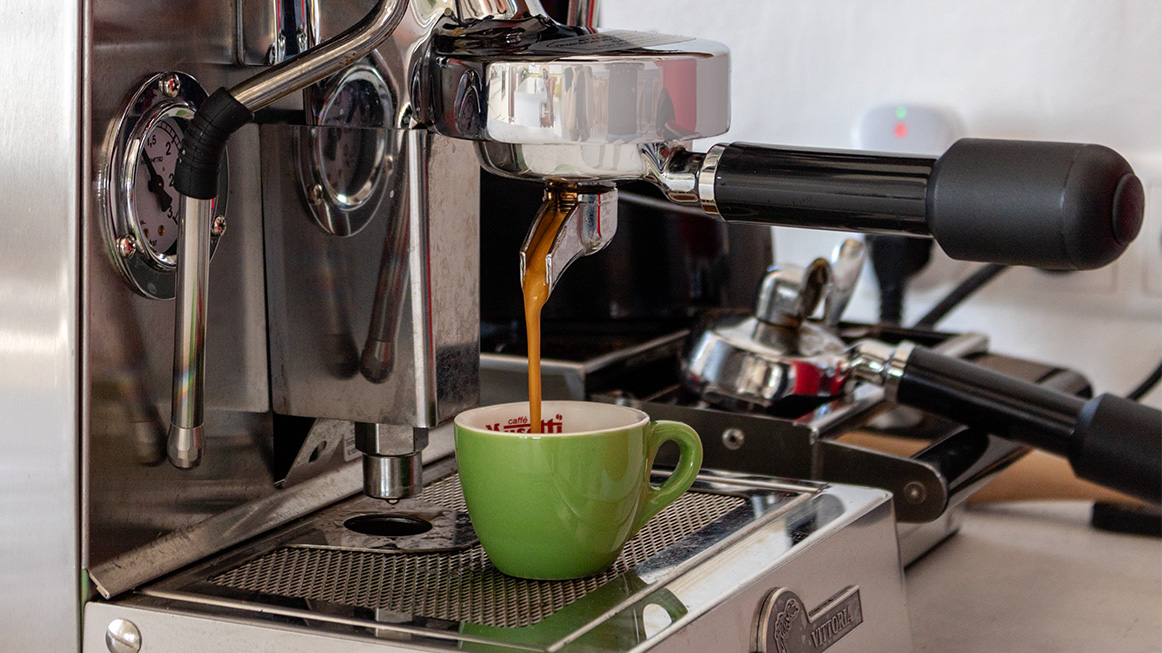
346 161
348 155
140 206
155 202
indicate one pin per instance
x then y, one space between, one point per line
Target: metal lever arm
196 178
1050 205
1109 440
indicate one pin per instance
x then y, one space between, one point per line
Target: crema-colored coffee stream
536 292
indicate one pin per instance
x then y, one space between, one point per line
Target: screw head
170 85
122 636
277 51
126 246
914 492
316 194
219 226
733 439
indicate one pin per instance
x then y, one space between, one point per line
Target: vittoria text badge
785 626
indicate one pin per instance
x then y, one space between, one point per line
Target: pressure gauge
139 201
347 157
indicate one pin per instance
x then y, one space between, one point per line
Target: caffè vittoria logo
786 627
521 425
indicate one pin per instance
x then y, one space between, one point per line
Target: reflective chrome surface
583 13
90 361
195 218
43 177
881 364
846 266
392 464
759 361
590 223
166 96
217 530
752 363
685 177
185 434
392 477
263 28
327 296
348 160
790 293
566 162
700 594
322 61
540 83
122 636
706 175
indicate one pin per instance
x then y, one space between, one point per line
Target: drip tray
460 585
415 572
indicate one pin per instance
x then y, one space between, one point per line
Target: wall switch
1152 240
906 128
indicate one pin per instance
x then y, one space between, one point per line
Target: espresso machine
235 324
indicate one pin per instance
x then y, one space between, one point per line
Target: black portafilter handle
1062 206
1109 440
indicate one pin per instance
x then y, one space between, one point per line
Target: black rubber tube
1147 384
975 396
1118 444
1109 440
957 295
204 142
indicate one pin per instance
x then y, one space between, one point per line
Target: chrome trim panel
42 174
324 291
186 546
701 594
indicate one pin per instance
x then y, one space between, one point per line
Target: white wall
1067 70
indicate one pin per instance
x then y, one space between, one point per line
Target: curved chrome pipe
184 445
323 60
582 13
185 440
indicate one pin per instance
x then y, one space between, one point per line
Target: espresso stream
536 293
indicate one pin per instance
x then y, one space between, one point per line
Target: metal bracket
271 31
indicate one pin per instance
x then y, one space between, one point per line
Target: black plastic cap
1118 443
1059 206
204 142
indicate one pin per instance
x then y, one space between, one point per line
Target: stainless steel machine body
714 571
339 319
341 316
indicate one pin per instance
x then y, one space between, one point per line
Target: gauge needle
156 184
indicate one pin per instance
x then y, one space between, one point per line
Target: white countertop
1034 577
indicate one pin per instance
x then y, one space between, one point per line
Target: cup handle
689 462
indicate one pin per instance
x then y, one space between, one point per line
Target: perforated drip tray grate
456 586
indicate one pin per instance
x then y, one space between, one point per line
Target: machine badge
786 627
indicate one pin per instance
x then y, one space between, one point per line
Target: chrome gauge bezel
335 212
164 96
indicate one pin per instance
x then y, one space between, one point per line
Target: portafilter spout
196 178
587 222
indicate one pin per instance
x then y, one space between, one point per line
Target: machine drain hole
388 525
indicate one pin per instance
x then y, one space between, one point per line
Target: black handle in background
1109 440
1050 205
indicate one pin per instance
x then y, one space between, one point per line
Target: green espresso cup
561 504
